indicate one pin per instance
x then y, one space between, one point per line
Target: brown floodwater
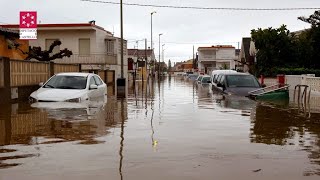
169 130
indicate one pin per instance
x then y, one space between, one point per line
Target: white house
92 46
216 57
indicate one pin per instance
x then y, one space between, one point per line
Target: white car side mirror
93 86
41 84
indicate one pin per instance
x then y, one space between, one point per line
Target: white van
215 73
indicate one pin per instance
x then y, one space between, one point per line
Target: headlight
32 100
73 100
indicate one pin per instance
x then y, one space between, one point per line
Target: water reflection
52 123
164 129
286 127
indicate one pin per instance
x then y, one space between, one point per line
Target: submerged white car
70 87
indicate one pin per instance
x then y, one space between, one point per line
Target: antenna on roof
113 31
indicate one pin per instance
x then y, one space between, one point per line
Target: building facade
92 46
216 57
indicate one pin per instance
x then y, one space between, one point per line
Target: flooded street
170 130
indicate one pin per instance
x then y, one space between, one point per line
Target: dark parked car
236 83
192 77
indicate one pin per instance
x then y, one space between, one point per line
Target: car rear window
242 81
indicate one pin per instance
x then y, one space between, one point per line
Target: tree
169 65
313 19
310 40
46 55
276 48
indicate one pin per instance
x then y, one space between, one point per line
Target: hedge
295 71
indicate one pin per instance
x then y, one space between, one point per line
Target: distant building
178 67
216 57
93 47
11 46
139 55
188 66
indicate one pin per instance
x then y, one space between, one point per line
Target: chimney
92 22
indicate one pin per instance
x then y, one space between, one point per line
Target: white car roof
223 71
74 74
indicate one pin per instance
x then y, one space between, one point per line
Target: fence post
80 70
5 92
51 69
6 72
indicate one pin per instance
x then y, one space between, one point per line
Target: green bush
294 71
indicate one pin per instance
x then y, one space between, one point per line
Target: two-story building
216 57
92 46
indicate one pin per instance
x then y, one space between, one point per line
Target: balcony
89 59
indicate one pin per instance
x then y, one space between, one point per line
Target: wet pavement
169 130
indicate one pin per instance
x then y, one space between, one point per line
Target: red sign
28 19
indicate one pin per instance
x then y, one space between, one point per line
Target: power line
203 8
190 43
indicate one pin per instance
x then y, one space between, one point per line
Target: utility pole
121 12
193 60
146 58
152 39
163 57
159 57
121 82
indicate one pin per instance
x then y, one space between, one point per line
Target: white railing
89 59
312 82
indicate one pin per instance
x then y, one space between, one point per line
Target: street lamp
152 31
159 56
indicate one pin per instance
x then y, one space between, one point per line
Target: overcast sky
181 28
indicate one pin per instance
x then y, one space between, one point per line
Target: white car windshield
205 79
242 81
67 82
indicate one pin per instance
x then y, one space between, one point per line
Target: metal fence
26 73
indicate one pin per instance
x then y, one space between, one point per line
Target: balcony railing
89 59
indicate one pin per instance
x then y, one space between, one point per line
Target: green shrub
294 71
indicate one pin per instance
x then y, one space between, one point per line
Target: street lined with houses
167 91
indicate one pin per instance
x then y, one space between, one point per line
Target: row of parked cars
228 82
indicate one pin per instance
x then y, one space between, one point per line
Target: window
222 79
98 80
84 47
67 82
56 49
110 46
218 78
92 81
205 79
242 81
